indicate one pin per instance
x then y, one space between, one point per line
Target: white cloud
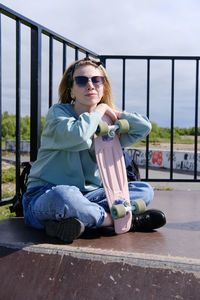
145 27
123 27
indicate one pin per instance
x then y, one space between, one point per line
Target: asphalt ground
159 173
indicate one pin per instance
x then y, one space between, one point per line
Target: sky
128 27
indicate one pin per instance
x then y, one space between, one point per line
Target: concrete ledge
159 265
35 275
182 264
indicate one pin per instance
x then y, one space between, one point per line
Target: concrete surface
164 264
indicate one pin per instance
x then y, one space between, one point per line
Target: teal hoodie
67 155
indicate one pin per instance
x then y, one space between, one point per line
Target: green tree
8 126
8 129
25 128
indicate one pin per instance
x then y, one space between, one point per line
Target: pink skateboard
112 169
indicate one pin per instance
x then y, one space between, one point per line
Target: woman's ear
72 94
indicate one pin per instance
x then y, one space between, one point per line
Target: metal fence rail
172 59
36 33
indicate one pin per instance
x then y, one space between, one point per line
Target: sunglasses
82 81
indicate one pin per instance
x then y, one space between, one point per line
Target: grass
181 140
8 189
8 175
8 180
5 212
163 189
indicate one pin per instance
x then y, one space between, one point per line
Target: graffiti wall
181 160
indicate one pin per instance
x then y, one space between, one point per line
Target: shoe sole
66 230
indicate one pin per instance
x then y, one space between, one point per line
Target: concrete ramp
159 265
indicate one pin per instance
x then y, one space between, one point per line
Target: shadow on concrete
189 226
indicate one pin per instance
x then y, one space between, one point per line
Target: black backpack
132 169
17 200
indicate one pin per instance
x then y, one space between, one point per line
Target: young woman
64 190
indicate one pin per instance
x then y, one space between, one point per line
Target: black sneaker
149 220
66 230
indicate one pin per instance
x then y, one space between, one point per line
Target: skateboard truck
120 126
112 130
122 207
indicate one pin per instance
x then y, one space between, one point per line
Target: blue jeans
62 201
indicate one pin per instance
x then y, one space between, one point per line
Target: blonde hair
66 83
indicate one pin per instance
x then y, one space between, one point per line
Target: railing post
64 57
0 111
172 122
50 71
123 83
147 113
35 92
76 53
196 119
18 103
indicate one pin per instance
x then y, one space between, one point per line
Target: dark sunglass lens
98 79
81 80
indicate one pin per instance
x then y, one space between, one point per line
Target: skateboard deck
112 170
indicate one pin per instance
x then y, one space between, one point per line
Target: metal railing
36 33
172 60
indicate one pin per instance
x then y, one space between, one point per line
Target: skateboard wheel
140 206
123 126
102 129
118 211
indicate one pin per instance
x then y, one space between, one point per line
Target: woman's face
87 95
